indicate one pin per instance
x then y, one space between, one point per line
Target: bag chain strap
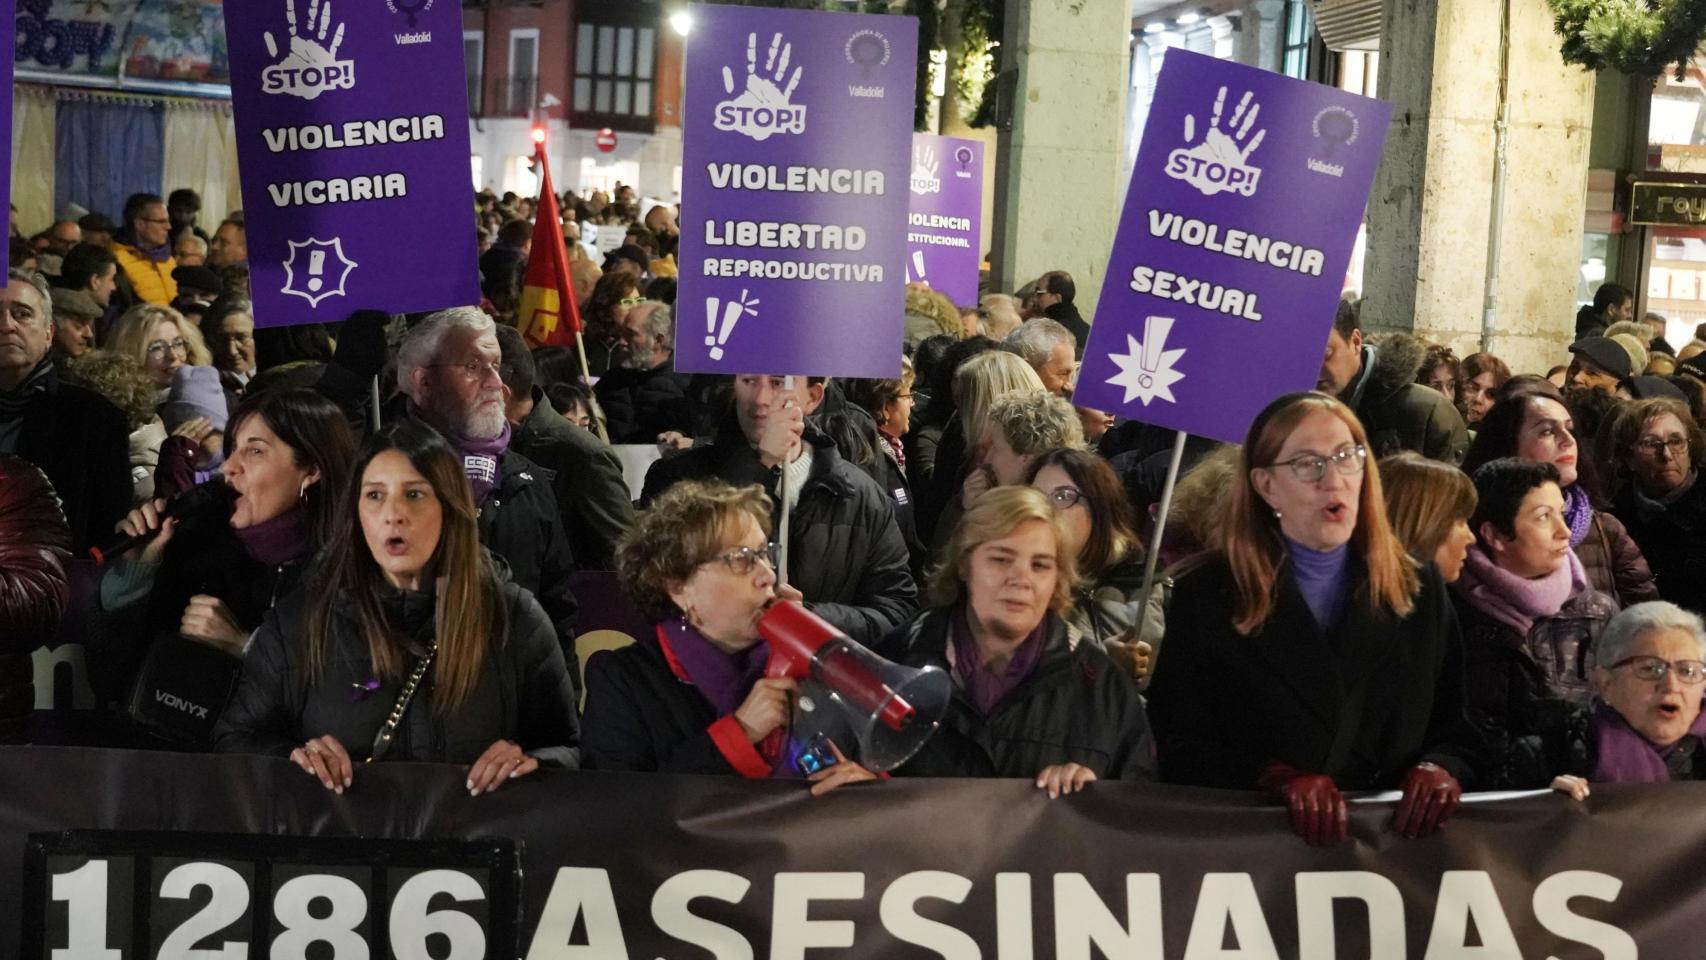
382 742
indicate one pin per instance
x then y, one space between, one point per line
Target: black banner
683 868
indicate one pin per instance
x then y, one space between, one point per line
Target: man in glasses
77 438
449 367
143 246
642 395
846 557
1379 383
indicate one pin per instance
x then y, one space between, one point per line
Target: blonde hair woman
1033 700
160 339
1306 650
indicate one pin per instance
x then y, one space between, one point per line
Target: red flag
548 315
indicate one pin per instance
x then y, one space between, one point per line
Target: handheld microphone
209 493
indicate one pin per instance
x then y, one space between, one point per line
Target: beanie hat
195 392
1636 350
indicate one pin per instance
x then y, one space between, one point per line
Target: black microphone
203 496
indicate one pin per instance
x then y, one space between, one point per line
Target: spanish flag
548 315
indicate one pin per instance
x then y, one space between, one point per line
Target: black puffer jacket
640 404
520 523
523 694
1400 414
34 547
641 716
1673 542
1074 707
845 552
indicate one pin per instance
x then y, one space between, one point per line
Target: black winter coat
1673 542
640 404
523 694
1399 413
846 554
1074 707
591 494
520 523
641 716
1067 315
1362 704
82 443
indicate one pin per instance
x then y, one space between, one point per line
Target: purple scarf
1578 513
1622 755
279 540
480 460
1517 601
724 678
985 687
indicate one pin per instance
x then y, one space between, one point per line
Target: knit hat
195 393
1606 353
1636 350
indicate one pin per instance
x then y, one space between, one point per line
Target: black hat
97 223
1650 387
628 251
1694 366
1605 353
198 278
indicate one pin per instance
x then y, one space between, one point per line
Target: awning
1348 24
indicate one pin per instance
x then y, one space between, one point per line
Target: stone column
1431 208
1057 180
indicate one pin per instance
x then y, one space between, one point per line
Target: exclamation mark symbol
917 271
1155 330
316 269
730 315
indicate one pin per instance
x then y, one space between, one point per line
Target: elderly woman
1656 450
1428 504
1645 725
1307 652
160 339
338 674
691 697
1530 421
1031 697
1479 378
1529 616
1092 507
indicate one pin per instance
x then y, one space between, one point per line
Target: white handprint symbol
1221 161
310 67
762 108
924 166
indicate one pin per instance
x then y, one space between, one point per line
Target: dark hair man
1379 384
1055 292
1612 303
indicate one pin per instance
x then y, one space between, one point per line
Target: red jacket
35 544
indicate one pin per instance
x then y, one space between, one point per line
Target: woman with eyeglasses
1655 456
691 696
1306 652
1032 697
1645 724
161 340
615 293
1529 616
1087 496
1531 421
409 644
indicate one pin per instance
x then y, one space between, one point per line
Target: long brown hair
1424 500
1250 539
468 618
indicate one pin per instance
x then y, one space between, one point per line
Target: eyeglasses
741 560
1310 468
1065 498
1690 672
159 348
474 371
631 301
1676 444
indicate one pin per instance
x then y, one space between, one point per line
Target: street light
681 22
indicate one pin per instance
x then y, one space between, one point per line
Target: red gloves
1317 807
1430 796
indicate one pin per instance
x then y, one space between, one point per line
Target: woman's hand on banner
502 761
845 771
326 760
1575 787
1059 778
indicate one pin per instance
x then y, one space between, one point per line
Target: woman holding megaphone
1031 697
692 696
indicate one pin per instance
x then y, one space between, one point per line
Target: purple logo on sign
794 186
355 188
944 220
1213 268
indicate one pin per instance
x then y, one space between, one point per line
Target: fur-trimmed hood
1390 364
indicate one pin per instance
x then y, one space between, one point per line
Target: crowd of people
1426 575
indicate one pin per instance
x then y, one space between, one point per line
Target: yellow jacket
152 281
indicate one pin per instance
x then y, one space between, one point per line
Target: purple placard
8 40
1232 250
352 143
946 216
794 172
